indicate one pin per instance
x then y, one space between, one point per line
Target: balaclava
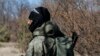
39 16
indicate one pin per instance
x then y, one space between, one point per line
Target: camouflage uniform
57 44
49 41
35 47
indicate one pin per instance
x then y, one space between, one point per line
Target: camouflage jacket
48 29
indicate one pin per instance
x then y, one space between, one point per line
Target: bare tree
79 16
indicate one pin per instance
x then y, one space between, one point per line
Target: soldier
48 40
37 19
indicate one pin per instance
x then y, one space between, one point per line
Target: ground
10 49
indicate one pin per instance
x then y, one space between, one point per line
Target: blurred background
80 16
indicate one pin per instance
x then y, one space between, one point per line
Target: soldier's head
38 16
39 13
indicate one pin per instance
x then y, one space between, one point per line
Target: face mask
37 21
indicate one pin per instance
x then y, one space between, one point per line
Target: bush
4 33
23 34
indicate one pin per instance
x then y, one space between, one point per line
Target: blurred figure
48 40
37 19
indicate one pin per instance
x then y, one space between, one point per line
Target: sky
12 7
35 3
92 5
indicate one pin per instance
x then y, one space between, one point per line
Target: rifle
74 39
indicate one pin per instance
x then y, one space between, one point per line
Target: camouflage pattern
63 45
45 43
35 47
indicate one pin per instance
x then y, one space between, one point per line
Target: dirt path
10 49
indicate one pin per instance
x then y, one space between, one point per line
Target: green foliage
23 34
4 33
